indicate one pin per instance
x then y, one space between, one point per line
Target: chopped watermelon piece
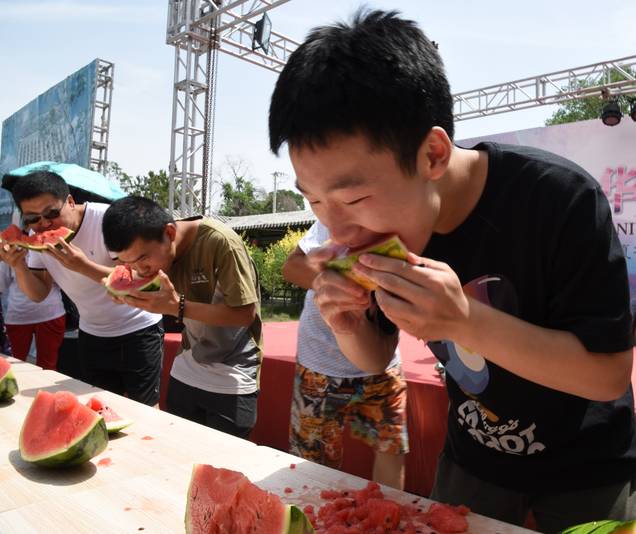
222 500
114 422
60 431
8 383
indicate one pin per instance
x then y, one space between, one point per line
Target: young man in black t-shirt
517 279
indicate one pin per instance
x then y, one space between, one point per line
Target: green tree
286 200
587 108
240 198
275 256
154 185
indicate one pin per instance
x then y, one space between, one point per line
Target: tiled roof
270 220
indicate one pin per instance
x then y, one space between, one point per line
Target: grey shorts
553 512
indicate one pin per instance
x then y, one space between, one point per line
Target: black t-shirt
539 245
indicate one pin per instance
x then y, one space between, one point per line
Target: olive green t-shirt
218 269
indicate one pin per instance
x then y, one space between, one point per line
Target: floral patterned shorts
374 407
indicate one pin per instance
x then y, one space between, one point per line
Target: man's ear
434 154
70 200
171 231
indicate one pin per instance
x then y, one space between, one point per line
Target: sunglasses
50 214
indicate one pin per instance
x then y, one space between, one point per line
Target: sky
481 43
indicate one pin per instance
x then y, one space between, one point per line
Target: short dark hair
35 184
131 218
379 76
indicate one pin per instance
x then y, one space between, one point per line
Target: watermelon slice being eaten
114 422
389 246
39 241
221 500
8 383
121 281
60 431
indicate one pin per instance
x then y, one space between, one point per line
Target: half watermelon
8 383
121 281
222 500
60 431
389 246
114 422
39 241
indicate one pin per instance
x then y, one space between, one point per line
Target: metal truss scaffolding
547 89
198 29
101 115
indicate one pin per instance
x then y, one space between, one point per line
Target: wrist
180 308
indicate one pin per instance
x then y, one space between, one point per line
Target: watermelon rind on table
35 241
389 246
607 526
59 431
222 500
114 422
121 281
8 383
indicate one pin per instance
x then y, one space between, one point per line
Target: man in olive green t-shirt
209 282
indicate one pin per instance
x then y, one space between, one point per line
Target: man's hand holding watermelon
164 301
72 257
13 256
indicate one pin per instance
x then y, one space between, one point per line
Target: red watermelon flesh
367 510
114 422
122 280
258 511
211 496
14 236
223 501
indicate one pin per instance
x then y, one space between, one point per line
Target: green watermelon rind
296 521
608 526
118 425
152 285
8 386
392 247
93 442
41 248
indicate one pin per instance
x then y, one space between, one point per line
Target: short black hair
131 218
379 76
35 184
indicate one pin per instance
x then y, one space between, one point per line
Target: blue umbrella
76 176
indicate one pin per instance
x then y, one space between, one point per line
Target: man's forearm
368 349
32 286
94 271
552 358
220 314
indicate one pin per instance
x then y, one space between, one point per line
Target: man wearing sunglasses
120 346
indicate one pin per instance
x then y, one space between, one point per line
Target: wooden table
139 483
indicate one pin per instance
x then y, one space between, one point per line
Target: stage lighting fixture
611 114
262 33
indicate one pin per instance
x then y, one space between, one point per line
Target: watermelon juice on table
13 235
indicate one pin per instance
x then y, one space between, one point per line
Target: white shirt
21 309
99 315
317 346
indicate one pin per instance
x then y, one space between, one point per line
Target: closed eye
357 200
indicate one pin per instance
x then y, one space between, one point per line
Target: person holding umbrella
120 347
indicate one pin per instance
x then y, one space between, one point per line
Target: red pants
48 338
